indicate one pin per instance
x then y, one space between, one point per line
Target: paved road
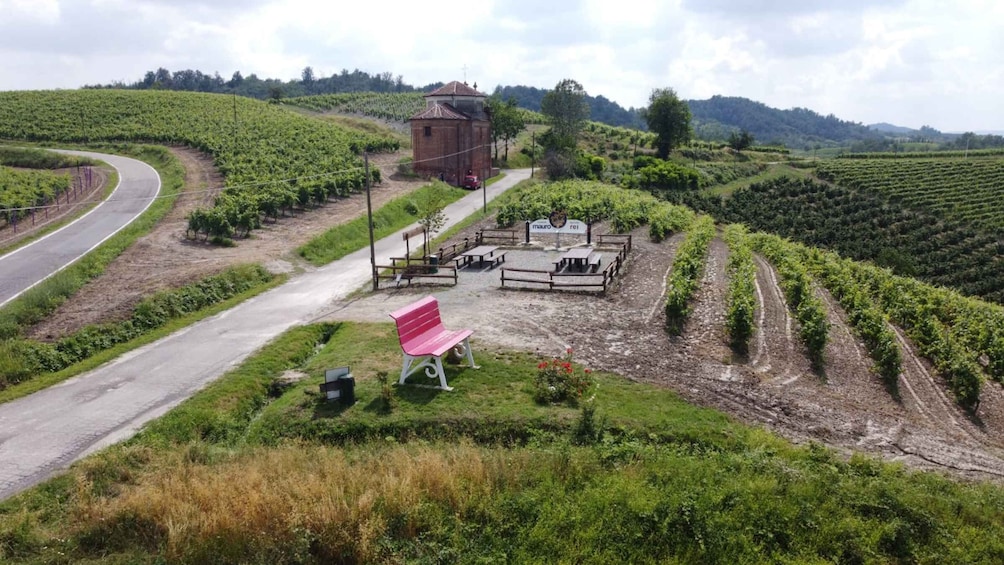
29 265
45 432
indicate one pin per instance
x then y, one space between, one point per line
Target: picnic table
577 257
483 253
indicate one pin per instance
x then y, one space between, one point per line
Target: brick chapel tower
452 135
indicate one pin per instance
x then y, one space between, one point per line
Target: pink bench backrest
417 318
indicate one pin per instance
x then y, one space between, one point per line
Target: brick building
453 134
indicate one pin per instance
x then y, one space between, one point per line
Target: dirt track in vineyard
844 405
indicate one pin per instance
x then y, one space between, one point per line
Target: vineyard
963 338
28 158
394 107
272 158
864 224
964 190
593 202
22 190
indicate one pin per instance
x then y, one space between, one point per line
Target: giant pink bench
425 340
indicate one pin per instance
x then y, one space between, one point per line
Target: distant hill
797 128
889 128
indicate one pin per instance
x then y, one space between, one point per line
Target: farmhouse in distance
451 135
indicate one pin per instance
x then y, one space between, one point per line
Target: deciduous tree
669 118
507 122
739 141
567 111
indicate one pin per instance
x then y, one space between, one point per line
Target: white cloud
910 62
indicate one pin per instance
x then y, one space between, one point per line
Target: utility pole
369 216
235 122
484 192
533 150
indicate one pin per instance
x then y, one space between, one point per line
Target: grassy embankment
248 472
397 214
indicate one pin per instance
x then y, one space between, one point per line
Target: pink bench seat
424 340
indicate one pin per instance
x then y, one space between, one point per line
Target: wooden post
369 216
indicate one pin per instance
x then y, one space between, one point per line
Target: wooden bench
424 339
496 259
594 262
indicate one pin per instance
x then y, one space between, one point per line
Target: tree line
252 86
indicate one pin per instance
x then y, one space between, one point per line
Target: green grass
346 238
35 304
480 474
490 403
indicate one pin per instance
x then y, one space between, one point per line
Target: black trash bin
434 262
347 389
339 385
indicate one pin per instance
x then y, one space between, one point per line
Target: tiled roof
455 88
440 112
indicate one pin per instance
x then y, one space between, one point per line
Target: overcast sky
908 62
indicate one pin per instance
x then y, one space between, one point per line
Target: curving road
43 433
27 266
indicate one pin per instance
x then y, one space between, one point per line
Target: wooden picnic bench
484 254
594 262
424 339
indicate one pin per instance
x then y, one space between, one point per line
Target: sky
906 62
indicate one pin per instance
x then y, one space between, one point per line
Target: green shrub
685 274
557 380
24 359
740 300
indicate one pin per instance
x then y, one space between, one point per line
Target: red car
471 182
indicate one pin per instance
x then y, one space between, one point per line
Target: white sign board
571 226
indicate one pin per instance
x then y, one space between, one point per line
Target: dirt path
779 357
844 406
704 333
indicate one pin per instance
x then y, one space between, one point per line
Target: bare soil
844 405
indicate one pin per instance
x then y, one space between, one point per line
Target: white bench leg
442 375
433 368
469 353
405 368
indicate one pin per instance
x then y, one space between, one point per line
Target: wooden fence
410 270
506 236
554 280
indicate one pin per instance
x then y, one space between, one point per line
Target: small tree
669 118
507 122
739 141
430 205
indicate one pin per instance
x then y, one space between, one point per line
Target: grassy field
249 472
